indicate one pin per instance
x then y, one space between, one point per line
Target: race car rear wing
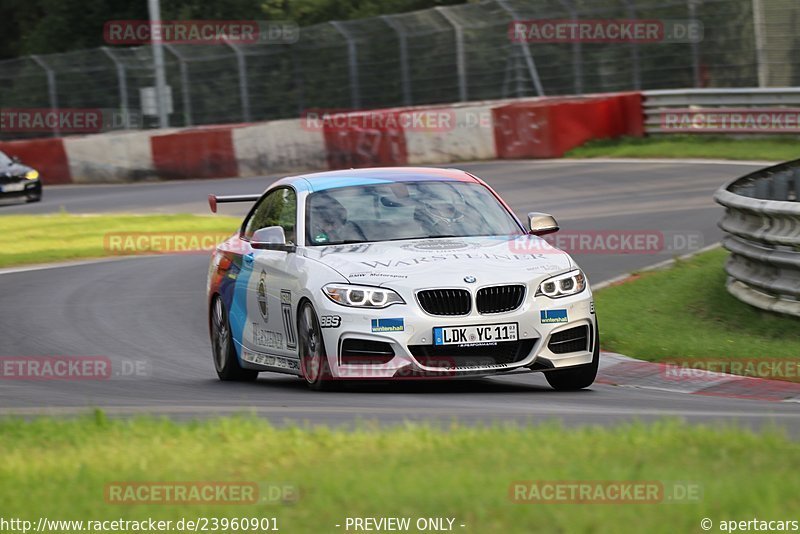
214 199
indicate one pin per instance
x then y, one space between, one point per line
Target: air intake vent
572 340
365 352
499 299
445 301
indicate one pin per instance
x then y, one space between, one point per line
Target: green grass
691 146
685 313
59 468
26 239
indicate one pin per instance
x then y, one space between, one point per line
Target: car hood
445 262
15 169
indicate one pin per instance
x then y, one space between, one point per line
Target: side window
279 208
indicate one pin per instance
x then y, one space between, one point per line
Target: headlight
563 285
362 296
32 175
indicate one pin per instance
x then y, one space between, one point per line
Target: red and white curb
618 370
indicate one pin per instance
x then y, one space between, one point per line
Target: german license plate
474 335
12 188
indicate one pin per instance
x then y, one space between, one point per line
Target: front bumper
27 189
400 338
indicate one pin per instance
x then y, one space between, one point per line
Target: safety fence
468 52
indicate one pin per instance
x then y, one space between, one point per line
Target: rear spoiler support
213 200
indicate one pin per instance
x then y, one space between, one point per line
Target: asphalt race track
150 311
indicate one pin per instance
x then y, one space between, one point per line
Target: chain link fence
440 55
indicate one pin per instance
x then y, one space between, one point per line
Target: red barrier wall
201 153
549 129
365 140
45 155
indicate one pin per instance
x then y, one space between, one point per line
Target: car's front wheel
225 361
578 377
314 366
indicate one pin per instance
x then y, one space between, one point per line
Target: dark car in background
19 181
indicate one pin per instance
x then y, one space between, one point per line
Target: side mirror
15 159
542 223
271 237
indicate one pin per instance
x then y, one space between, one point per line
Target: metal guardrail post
577 51
402 38
461 62
763 237
52 90
635 57
123 86
526 51
352 59
694 44
186 95
762 63
244 92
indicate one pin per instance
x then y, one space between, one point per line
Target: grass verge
59 469
685 313
26 239
690 146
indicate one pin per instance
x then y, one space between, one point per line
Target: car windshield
5 161
405 210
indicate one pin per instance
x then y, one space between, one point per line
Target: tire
37 198
314 366
225 361
578 377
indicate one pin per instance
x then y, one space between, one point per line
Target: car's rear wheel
225 361
578 377
314 367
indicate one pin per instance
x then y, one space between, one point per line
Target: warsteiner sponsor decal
411 262
553 316
266 338
388 325
330 321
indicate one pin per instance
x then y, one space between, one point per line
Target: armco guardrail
735 111
762 223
